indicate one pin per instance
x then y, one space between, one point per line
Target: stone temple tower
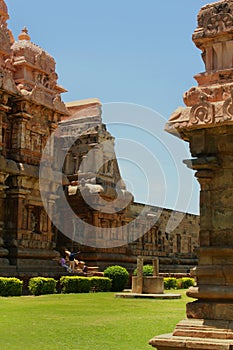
30 108
207 124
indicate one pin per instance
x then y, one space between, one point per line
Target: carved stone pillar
2 196
3 112
207 124
1 128
139 284
20 140
51 205
3 251
155 267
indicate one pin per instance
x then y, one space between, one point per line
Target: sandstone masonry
31 109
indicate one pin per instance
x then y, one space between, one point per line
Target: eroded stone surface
207 124
31 109
29 112
91 169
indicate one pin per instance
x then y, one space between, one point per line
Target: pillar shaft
207 124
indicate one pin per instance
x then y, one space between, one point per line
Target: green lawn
94 321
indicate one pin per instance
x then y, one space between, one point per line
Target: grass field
94 321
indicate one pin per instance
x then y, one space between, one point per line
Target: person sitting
63 264
71 257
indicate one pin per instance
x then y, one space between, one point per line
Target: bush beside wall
10 286
75 284
42 285
100 284
181 283
119 277
185 282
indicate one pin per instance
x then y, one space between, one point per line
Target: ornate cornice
214 19
211 102
202 114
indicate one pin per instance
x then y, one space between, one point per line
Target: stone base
147 285
210 310
129 295
197 334
169 342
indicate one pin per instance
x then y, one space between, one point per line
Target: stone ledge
148 296
170 342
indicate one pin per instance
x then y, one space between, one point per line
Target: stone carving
212 93
202 113
219 23
3 12
6 63
192 96
228 108
38 80
216 19
3 7
210 102
8 82
23 90
44 61
5 40
209 133
59 104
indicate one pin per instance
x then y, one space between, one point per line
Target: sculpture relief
217 19
228 107
219 23
202 113
45 62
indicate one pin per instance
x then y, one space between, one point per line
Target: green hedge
42 285
10 286
170 283
100 284
119 277
181 283
147 271
75 284
185 282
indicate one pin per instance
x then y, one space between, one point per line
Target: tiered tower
30 109
207 124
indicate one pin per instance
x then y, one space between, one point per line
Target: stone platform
128 295
198 334
168 342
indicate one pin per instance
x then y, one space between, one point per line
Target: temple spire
24 35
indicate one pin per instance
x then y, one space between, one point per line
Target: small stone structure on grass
147 284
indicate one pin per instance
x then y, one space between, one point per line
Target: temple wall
31 110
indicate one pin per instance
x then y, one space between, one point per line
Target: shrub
101 284
170 283
147 271
42 285
10 286
185 282
119 277
75 284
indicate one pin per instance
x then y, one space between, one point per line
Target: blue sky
135 52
